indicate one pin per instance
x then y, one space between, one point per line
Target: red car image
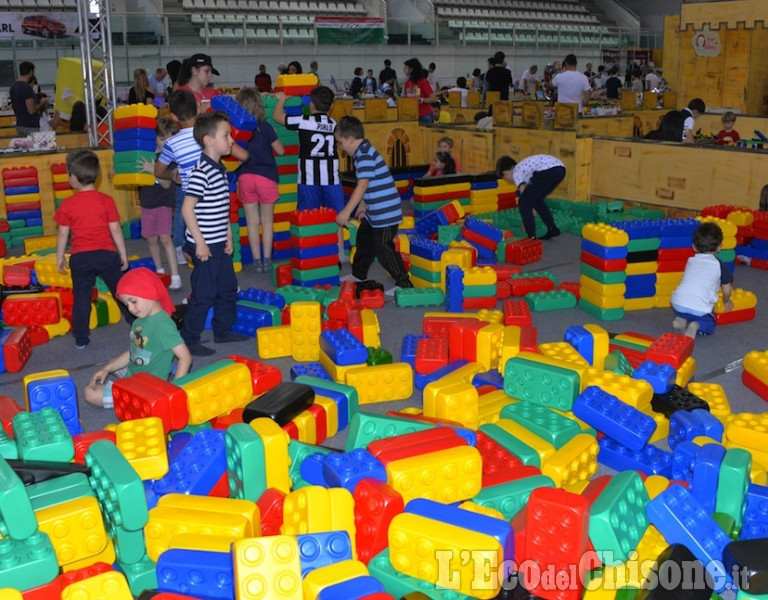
43 26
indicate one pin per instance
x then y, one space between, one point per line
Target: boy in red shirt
98 247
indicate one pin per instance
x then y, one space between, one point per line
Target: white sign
46 25
706 42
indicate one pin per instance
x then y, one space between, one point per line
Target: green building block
298 452
551 300
510 497
628 345
272 272
246 469
102 312
59 490
643 244
541 383
127 227
296 293
501 249
27 563
8 449
131 161
379 356
527 455
627 593
365 428
547 274
331 295
304 231
431 276
727 524
141 575
617 518
192 429
305 275
642 212
42 435
617 363
129 545
203 372
16 224
604 277
17 518
544 422
118 487
429 206
727 256
419 297
447 233
479 291
603 314
732 485
400 585
747 595
585 210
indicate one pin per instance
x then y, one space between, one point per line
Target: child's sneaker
82 345
391 291
175 282
747 260
266 265
180 256
160 271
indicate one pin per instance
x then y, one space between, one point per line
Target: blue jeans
178 220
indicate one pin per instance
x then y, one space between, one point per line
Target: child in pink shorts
157 203
257 180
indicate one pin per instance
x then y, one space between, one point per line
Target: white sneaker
160 271
350 277
175 282
747 260
391 291
180 256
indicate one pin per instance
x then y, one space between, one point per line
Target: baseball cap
198 60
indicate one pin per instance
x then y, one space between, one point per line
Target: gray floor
729 344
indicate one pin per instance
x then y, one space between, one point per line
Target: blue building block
176 444
485 229
428 225
604 252
407 349
669 243
134 144
315 252
33 221
681 519
713 428
311 468
678 228
313 369
142 262
427 249
650 460
200 573
454 289
492 377
149 492
616 419
756 513
343 348
299 453
683 461
500 530
60 394
238 116
17 190
660 376
467 435
640 229
485 261
135 133
684 425
347 469
486 254
4 335
198 467
25 215
352 589
425 380
582 340
262 297
706 472
249 319
322 549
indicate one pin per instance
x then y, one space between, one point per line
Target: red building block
283 275
604 264
348 290
38 335
77 575
735 316
503 290
517 312
271 509
498 463
12 173
355 323
22 310
304 264
16 276
8 410
431 354
755 384
376 504
231 418
476 238
478 303
339 309
529 339
413 444
3 249
528 285
333 325
285 315
671 349
144 395
438 326
83 441
634 357
372 298
292 431
49 591
263 376
314 216
518 523
523 252
505 271
571 286
321 422
463 340
17 349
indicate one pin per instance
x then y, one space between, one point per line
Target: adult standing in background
529 82
432 76
388 73
282 69
158 83
195 75
499 78
313 69
24 101
571 85
173 67
141 90
417 86
294 68
263 80
652 80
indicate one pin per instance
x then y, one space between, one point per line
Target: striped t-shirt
208 183
382 200
318 157
181 148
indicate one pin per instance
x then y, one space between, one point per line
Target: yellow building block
296 80
404 244
509 347
573 462
47 271
640 303
218 506
740 218
286 207
642 268
111 585
633 339
305 330
267 568
463 374
481 510
635 392
446 476
57 329
449 315
490 315
22 198
166 522
107 556
604 234
578 487
757 474
218 393
331 414
601 289
655 484
133 179
488 344
461 257
489 406
714 395
749 430
39 242
671 278
479 276
756 362
563 351
633 573
129 111
286 188
381 383
209 543
75 527
604 302
664 301
10 594
314 509
275 441
728 228
322 577
306 425
274 341
418 282
142 443
741 299
371 328
457 402
600 344
417 545
686 372
279 227
62 194
337 372
543 448
433 266
662 426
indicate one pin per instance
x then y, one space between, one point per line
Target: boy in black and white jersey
318 183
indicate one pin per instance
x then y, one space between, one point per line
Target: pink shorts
156 221
257 188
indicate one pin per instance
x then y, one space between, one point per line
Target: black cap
198 60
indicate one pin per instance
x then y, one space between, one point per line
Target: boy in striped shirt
378 206
208 238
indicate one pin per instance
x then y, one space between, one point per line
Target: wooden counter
708 122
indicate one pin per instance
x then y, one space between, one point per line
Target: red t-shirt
727 138
88 215
205 94
420 89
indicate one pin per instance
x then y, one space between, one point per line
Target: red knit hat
143 283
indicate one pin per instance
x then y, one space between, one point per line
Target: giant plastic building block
322 549
144 395
381 383
315 509
376 504
282 403
142 442
203 573
267 567
54 389
545 384
649 460
32 309
245 462
27 563
216 390
43 435
614 418
198 467
17 519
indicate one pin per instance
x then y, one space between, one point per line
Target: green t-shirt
151 342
